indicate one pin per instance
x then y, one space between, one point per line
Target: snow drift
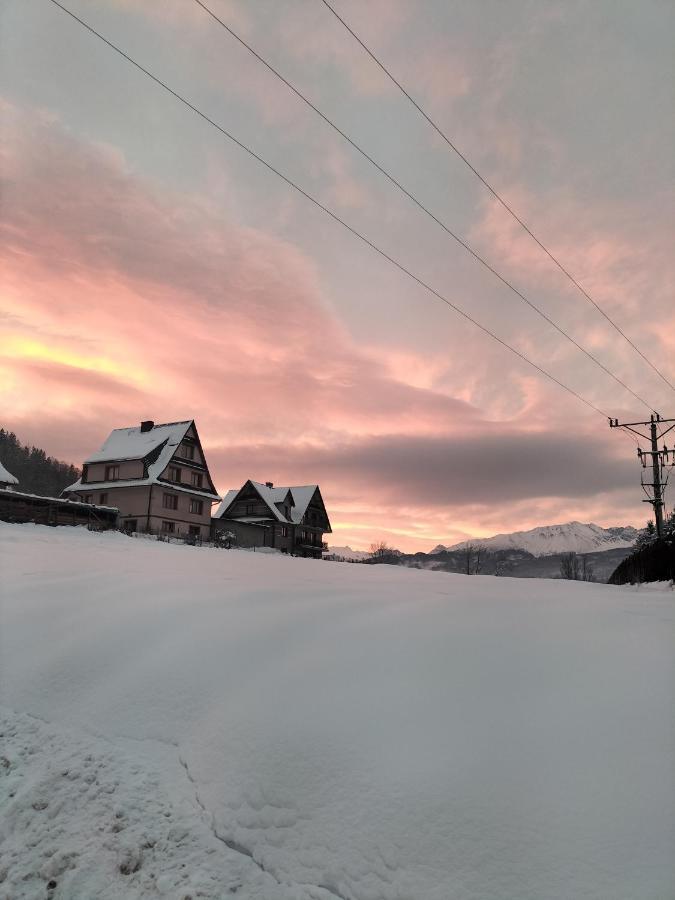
185 722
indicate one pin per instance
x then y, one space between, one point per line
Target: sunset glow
151 270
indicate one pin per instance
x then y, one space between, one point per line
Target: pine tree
646 536
37 472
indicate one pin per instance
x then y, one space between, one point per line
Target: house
290 519
156 476
7 480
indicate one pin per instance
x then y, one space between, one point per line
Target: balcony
305 544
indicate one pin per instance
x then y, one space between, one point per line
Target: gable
188 457
311 509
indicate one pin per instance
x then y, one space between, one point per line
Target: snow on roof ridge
270 496
134 443
155 425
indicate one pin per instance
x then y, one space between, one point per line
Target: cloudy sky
151 269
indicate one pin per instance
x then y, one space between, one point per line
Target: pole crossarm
658 459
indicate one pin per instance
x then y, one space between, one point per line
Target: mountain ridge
548 540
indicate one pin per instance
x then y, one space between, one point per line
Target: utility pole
656 459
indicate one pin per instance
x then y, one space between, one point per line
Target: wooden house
290 519
156 476
16 506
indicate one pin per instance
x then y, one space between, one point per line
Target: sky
151 269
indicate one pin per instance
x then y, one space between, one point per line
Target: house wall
308 541
266 534
251 506
186 469
246 533
131 468
181 516
132 502
146 509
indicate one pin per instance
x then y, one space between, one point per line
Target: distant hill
348 553
548 540
37 472
518 563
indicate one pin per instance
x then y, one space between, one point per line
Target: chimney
269 484
147 426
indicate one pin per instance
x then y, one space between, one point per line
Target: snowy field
191 723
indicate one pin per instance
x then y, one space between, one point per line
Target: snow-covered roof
132 443
125 444
301 496
272 496
17 495
6 476
227 499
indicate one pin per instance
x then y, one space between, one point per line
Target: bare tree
380 549
569 567
472 558
478 564
587 573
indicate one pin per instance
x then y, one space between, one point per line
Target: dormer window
112 473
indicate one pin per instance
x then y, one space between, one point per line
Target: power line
497 196
421 206
329 212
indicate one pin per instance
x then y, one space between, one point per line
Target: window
169 527
88 498
112 473
197 506
103 499
197 479
249 509
175 474
170 501
187 451
194 530
283 531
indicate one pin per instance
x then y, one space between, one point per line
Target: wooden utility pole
656 459
656 475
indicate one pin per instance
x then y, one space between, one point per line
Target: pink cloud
121 304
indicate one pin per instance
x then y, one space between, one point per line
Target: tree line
37 472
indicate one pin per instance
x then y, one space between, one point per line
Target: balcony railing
306 544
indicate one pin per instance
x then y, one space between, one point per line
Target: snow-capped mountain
549 539
348 553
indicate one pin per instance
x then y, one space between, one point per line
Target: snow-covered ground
191 723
